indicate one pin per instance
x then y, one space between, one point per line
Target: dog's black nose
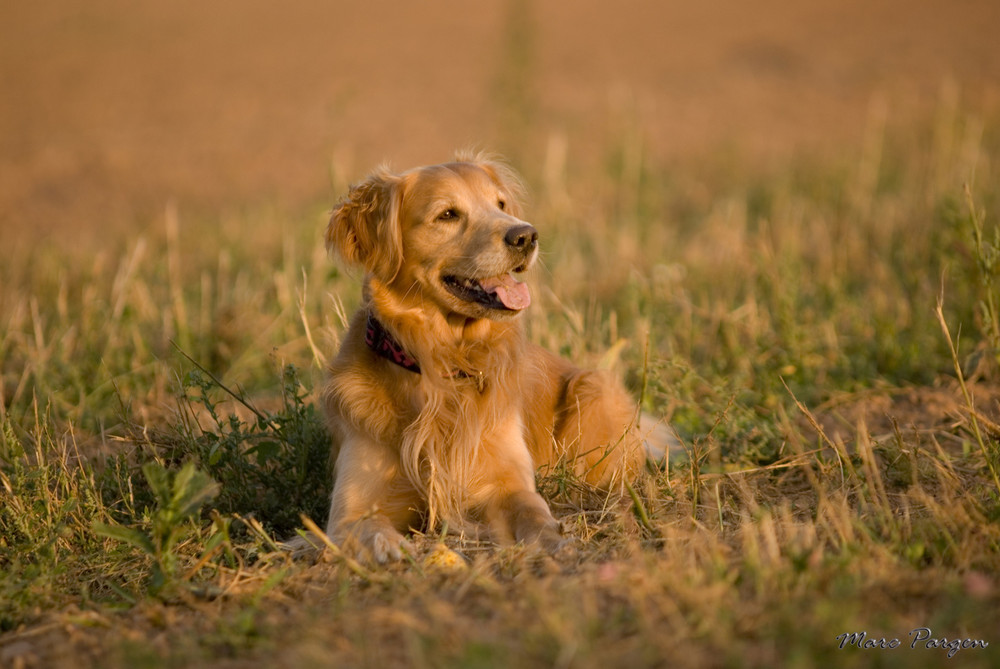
522 237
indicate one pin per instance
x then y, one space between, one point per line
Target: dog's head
450 234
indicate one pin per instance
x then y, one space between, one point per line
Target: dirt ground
111 108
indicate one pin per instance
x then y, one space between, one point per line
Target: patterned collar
384 344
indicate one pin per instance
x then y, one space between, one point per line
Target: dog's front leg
372 502
515 511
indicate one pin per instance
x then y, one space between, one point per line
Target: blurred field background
777 221
110 109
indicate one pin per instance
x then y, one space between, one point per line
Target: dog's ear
364 228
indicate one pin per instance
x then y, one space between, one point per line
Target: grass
822 336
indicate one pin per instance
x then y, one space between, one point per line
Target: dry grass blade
989 457
314 533
319 359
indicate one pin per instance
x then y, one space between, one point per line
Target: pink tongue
514 294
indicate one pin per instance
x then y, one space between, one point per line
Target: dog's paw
562 548
373 540
389 547
552 542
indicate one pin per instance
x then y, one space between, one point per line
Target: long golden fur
443 249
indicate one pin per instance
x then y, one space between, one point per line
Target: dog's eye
502 205
448 215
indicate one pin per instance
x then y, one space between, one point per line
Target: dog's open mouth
502 292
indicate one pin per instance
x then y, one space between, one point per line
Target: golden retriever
442 410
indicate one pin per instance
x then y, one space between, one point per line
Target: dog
441 409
